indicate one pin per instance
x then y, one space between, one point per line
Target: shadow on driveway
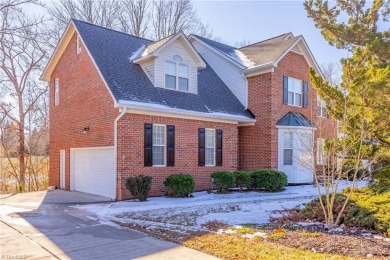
43 225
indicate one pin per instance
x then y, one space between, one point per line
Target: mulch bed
301 238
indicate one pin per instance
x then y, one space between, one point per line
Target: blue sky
234 21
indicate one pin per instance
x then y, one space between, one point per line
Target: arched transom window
176 74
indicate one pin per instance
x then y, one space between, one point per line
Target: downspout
124 110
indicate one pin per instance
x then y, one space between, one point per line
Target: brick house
121 106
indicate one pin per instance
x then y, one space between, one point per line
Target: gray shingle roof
112 50
255 54
294 119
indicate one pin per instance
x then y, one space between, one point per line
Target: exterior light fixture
85 130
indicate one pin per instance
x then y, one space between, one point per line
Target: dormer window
176 74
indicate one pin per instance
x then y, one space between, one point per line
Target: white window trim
293 103
56 91
321 106
321 154
177 75
205 147
284 148
165 145
78 46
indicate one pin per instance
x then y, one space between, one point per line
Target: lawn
196 222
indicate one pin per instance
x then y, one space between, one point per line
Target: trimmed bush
179 185
243 179
223 180
139 186
269 180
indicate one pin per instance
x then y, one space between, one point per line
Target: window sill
294 105
158 166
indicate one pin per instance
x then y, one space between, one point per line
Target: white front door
62 169
295 154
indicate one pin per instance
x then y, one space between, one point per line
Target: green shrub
243 179
139 186
269 180
223 180
349 170
382 180
179 185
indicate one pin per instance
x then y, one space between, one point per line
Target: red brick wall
84 102
259 143
131 151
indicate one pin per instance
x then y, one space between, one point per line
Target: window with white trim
159 143
176 74
321 108
321 154
288 148
294 96
56 92
210 147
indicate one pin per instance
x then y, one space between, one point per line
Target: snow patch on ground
189 214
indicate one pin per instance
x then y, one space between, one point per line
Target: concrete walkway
42 225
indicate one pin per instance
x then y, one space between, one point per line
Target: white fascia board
296 127
309 56
58 51
259 69
226 57
161 110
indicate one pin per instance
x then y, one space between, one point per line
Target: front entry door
295 154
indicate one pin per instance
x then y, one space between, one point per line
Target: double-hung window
294 97
176 74
210 147
159 143
321 108
287 148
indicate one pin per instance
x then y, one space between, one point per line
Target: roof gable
294 119
153 49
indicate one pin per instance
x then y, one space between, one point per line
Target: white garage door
94 171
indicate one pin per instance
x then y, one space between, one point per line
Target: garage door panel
94 171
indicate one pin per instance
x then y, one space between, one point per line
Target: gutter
124 110
181 113
266 66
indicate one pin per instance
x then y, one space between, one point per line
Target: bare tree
243 43
170 17
134 18
21 59
332 73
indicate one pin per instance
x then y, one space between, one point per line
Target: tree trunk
22 166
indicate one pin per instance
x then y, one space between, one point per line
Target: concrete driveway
43 225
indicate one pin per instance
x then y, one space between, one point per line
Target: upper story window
294 96
78 45
56 92
321 108
176 74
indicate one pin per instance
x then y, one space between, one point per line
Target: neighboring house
121 106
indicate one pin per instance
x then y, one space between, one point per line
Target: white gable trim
156 53
192 37
57 54
306 53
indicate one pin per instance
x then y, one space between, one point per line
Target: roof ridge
215 41
263 40
110 29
